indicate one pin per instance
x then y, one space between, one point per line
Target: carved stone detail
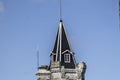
56 73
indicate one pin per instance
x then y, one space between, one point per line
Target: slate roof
61 42
62 47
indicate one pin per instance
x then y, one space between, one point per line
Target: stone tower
62 65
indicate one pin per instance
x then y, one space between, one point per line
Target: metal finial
37 59
60 9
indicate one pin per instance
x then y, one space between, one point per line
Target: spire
62 52
61 43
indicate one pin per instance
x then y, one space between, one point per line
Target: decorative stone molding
81 67
55 64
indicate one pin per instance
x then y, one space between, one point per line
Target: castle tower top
62 51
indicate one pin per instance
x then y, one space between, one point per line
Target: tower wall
61 73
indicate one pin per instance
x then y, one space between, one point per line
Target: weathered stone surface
61 73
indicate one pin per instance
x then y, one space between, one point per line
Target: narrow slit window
54 57
67 58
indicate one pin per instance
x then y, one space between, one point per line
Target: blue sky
29 25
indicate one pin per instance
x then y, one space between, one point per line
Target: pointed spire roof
61 42
62 51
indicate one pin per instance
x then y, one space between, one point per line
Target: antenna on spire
60 9
37 59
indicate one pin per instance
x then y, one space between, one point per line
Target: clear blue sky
29 25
